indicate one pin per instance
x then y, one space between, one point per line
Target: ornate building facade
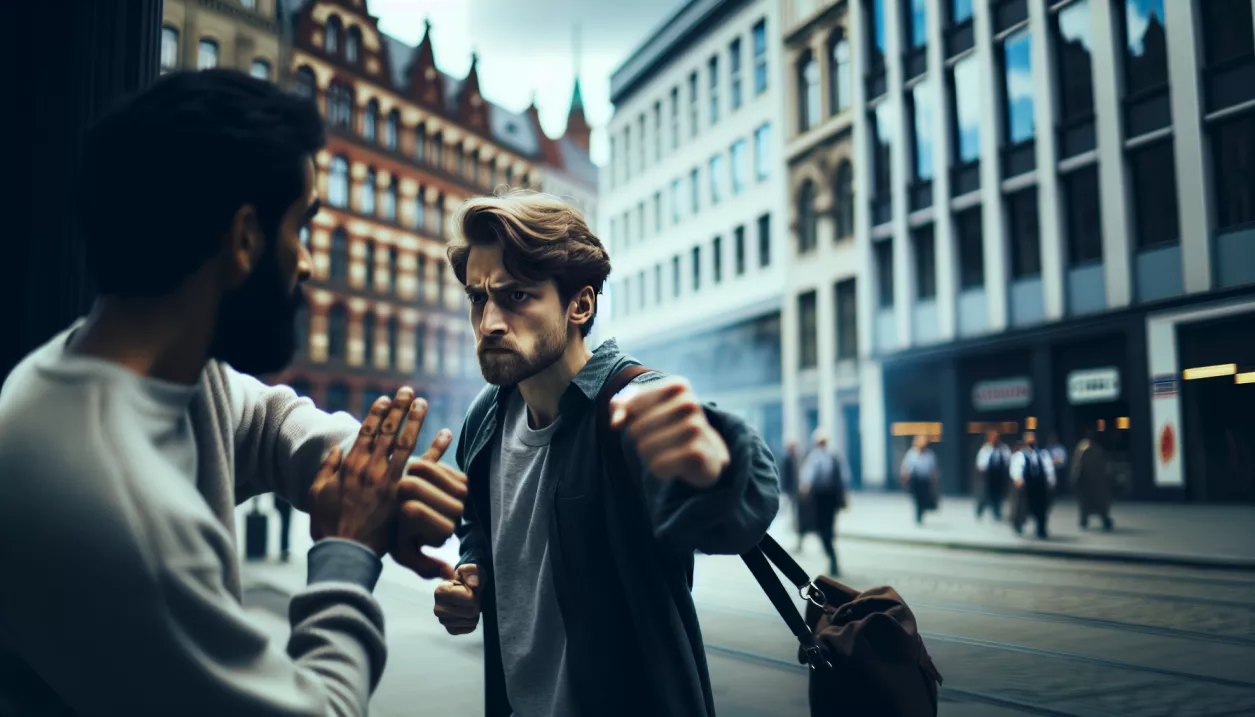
407 144
241 34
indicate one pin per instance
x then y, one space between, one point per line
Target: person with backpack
1033 472
993 463
823 483
588 494
919 476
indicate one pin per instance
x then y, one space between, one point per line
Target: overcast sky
527 46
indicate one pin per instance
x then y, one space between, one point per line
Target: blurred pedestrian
790 475
823 485
285 527
1033 471
993 463
1092 481
919 476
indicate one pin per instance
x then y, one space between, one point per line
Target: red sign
1167 444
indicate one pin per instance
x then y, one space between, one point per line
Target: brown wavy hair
542 238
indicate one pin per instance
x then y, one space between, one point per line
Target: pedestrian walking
919 476
1092 481
790 476
993 464
1033 472
823 485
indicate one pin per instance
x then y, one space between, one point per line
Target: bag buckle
811 593
815 657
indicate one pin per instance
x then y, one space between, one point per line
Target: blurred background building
692 204
240 34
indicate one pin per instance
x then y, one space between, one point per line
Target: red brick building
407 144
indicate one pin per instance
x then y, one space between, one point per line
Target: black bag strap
759 560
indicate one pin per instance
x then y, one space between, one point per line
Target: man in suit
1033 472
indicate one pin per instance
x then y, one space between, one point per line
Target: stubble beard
508 369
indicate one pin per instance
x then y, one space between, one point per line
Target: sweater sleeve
280 438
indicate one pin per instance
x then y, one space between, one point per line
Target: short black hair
164 172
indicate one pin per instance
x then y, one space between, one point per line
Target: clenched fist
672 436
457 601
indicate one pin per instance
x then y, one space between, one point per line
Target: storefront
917 396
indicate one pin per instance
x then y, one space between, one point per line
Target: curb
1220 562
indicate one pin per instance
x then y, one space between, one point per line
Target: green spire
577 97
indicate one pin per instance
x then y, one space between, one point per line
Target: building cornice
826 18
248 17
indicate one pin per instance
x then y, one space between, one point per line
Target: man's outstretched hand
431 495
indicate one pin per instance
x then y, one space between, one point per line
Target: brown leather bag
864 649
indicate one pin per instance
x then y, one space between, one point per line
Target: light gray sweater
119 585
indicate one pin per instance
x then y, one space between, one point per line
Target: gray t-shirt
533 641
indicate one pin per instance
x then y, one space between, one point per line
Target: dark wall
89 54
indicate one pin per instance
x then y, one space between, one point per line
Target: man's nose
493 319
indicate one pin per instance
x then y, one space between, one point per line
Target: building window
960 11
640 141
390 200
207 56
967 225
807 223
762 152
369 263
352 45
922 104
1018 84
1155 194
440 218
640 289
839 77
808 325
391 278
876 21
369 185
1074 40
640 220
340 105
368 338
627 152
339 258
331 35
657 283
712 68
337 335
1233 160
739 250
627 228
676 203
883 251
390 130
808 92
437 154
1228 35
169 48
370 119
847 319
764 240
305 82
697 268
337 398
420 347
675 118
1025 233
882 165
734 68
925 263
694 191
693 119
1145 46
338 183
1082 203
738 166
657 212
843 204
917 24
716 178
658 131
260 69
716 257
440 352
420 209
760 57
965 95
420 142
675 275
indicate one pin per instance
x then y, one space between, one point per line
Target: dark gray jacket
622 570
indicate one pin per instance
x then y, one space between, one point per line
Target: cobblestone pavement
1012 635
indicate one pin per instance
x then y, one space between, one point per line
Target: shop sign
1002 393
1094 385
1164 385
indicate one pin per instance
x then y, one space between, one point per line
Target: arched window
437 150
420 142
368 338
806 219
331 36
393 329
843 207
169 48
338 183
808 92
260 69
390 130
420 346
369 262
339 269
340 105
304 84
207 54
337 334
841 91
368 192
352 44
391 277
390 200
439 209
420 209
370 119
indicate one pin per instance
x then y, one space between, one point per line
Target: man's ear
582 306
242 245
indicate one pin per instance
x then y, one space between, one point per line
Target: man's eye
517 296
475 298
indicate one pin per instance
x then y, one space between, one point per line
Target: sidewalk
1219 536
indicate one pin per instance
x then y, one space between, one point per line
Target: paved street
1011 634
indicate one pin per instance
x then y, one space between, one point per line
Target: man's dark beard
256 329
508 369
